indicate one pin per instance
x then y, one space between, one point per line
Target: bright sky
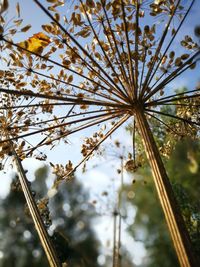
96 179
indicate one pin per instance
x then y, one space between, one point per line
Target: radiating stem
35 214
174 219
131 68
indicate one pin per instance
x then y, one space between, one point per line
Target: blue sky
34 16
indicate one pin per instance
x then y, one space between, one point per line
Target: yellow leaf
36 43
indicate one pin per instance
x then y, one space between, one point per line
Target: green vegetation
149 227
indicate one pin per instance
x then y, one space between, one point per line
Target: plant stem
119 257
115 213
174 219
35 214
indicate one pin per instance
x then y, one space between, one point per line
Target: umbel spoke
158 49
113 44
171 76
36 105
75 86
78 101
171 41
79 46
162 122
45 141
117 125
131 73
58 126
65 67
174 117
102 49
175 97
63 118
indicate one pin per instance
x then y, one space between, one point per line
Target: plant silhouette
103 61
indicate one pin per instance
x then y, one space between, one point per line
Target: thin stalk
171 41
64 67
133 140
115 42
174 74
162 122
102 49
46 137
84 126
143 68
74 86
131 70
119 258
35 105
116 87
181 104
158 49
114 51
174 219
68 176
114 259
156 82
179 98
78 101
56 126
35 214
56 119
115 127
174 117
170 98
129 90
137 6
178 73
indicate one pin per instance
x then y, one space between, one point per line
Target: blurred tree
149 226
72 216
71 226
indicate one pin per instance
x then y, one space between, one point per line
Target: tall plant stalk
114 254
174 219
117 223
35 215
119 256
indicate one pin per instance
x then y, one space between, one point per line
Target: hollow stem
174 219
35 214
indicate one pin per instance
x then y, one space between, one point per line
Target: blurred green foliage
183 168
